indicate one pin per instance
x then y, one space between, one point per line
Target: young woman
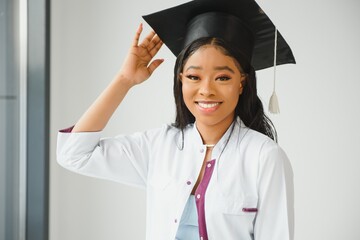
216 173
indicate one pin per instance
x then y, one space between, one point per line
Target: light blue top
188 226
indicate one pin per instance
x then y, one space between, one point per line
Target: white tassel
274 103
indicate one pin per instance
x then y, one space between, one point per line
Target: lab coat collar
236 125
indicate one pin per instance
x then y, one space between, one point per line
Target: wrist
124 81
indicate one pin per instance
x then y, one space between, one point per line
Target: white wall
318 125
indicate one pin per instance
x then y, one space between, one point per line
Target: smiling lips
208 106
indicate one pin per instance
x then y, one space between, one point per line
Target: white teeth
207 105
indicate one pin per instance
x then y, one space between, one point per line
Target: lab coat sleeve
122 159
275 216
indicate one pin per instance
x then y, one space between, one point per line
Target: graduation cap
242 23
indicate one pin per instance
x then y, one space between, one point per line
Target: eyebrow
219 68
194 67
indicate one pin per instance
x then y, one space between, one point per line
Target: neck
211 134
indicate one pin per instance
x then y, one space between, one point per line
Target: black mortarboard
241 23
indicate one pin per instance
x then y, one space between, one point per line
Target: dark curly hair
249 107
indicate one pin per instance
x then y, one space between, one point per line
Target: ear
180 77
242 84
241 89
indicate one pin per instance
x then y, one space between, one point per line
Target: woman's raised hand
138 65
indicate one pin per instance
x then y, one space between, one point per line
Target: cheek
185 95
232 92
184 92
187 91
233 95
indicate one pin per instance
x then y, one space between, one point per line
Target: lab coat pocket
239 206
239 214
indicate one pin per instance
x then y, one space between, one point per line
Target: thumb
155 64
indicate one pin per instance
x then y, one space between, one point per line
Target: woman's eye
223 78
192 77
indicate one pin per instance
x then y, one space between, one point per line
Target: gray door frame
37 130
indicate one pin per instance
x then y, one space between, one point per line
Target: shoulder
166 130
254 139
265 147
251 137
160 134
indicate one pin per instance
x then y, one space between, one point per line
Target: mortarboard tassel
274 103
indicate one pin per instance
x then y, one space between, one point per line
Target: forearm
100 112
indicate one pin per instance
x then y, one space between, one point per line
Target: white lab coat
252 171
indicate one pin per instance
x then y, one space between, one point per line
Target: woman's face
211 85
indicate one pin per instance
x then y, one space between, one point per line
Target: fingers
146 43
137 35
155 40
152 44
156 45
156 63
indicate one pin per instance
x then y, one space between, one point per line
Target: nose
207 88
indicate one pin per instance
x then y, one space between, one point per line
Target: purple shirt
200 198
